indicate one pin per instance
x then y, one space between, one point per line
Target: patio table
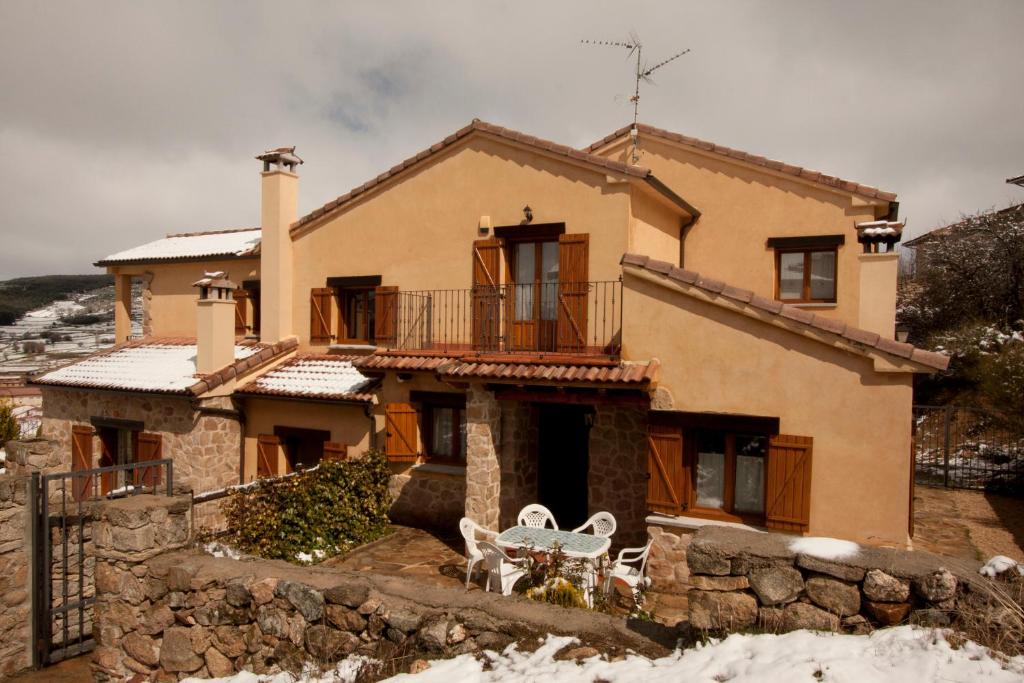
585 546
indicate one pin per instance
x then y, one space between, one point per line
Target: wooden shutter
665 471
335 451
486 294
241 312
268 449
573 290
81 459
148 447
320 315
385 316
108 458
788 504
401 442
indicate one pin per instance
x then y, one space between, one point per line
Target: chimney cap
217 279
281 156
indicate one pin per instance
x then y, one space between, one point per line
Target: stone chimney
279 208
215 323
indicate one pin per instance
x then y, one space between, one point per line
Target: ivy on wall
324 511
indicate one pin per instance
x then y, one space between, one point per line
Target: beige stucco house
706 335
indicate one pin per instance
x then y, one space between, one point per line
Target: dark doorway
563 462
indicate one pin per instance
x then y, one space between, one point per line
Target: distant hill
23 294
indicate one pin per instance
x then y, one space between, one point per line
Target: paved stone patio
972 525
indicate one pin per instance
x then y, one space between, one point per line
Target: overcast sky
120 122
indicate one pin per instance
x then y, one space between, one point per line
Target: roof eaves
869 341
754 159
243 365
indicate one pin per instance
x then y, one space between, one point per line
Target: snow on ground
895 655
824 548
218 549
999 564
346 672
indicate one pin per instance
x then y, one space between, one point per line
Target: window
444 426
806 276
728 473
356 314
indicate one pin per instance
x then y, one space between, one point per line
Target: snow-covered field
896 655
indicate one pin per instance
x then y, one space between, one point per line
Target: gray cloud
120 122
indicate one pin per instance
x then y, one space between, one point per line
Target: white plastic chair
622 570
537 516
471 533
501 568
603 523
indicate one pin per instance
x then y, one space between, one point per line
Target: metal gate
62 508
960 447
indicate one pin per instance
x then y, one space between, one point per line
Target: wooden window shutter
81 459
486 294
573 289
666 480
320 305
241 312
401 442
335 451
385 316
788 501
268 449
149 447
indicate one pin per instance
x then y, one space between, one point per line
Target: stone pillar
122 308
618 470
519 439
15 592
483 456
126 534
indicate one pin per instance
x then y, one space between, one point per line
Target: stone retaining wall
743 579
15 600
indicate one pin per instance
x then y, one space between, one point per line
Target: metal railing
579 318
959 447
63 506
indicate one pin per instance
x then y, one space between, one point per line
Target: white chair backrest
493 555
469 530
643 556
536 516
603 523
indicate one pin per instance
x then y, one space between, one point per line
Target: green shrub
558 591
320 512
9 427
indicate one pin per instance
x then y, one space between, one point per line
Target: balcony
539 321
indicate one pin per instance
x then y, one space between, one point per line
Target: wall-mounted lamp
902 332
527 214
484 226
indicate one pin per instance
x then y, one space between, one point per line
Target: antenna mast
643 73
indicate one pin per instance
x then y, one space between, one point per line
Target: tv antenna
643 73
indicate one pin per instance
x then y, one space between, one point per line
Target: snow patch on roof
156 367
224 243
313 377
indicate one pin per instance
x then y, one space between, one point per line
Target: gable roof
598 163
159 365
857 339
190 246
939 233
797 171
324 377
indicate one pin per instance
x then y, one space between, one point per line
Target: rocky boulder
936 587
798 615
833 595
881 587
776 585
718 611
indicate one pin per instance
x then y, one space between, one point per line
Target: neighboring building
512 321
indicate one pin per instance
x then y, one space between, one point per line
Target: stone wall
15 589
518 460
432 500
742 579
188 614
206 448
618 470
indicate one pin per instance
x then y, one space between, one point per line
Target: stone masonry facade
519 460
425 499
205 446
483 456
618 470
15 597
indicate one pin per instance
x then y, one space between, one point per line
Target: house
707 335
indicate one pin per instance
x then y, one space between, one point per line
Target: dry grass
992 614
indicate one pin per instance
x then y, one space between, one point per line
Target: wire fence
966 448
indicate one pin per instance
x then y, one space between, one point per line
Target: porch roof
624 375
325 377
163 365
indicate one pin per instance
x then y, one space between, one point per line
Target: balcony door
533 300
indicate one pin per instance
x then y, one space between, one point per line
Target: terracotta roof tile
400 362
757 160
637 375
324 377
802 316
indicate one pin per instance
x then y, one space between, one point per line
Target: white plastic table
585 546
